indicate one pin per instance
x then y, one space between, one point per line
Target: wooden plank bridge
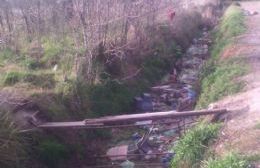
127 119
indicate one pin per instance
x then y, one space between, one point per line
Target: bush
231 161
12 78
111 98
53 107
44 80
52 52
33 64
7 54
191 147
52 153
11 146
154 68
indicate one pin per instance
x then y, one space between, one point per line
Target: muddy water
150 144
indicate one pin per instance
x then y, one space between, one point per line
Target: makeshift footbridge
129 120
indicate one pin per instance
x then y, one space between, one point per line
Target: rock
170 133
136 136
127 164
144 104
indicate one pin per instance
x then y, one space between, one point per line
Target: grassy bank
231 160
11 145
218 77
191 148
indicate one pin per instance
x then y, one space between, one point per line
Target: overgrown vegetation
43 80
218 77
222 81
190 149
230 160
11 147
52 153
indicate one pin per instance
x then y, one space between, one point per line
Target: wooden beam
122 119
151 116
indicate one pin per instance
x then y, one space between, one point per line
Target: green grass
11 146
192 146
218 77
221 82
230 160
43 80
257 126
52 153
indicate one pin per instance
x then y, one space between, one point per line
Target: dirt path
242 128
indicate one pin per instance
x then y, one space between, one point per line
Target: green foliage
231 160
52 51
191 147
11 146
257 126
155 68
53 106
218 77
12 78
221 82
7 55
111 98
44 80
232 23
32 64
52 153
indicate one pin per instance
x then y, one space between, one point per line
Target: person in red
171 14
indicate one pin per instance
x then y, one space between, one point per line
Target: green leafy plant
230 160
191 147
218 78
11 144
52 153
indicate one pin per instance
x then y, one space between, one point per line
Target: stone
118 153
127 164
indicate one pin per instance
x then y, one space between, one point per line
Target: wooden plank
117 120
151 116
65 124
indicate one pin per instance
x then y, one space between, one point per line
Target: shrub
11 146
154 68
33 64
52 51
52 106
231 160
44 80
52 153
108 99
12 78
7 54
191 147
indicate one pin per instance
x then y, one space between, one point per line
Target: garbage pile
177 93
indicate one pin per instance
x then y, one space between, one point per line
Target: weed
52 153
218 77
11 145
52 51
43 80
192 146
257 126
230 160
221 82
7 55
